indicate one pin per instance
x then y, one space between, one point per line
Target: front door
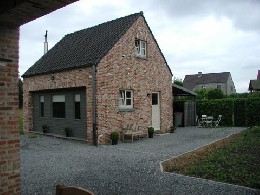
156 110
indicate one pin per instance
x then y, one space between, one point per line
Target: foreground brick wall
121 69
9 134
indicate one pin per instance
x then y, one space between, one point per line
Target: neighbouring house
221 81
254 85
98 79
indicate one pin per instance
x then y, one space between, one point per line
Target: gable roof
181 91
85 47
82 48
254 85
190 81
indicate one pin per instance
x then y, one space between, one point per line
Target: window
140 48
58 106
231 88
126 99
77 106
42 105
218 86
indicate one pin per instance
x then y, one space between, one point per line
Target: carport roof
181 91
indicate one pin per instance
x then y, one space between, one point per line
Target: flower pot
44 130
150 135
114 141
67 134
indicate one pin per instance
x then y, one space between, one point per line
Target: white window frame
123 99
141 48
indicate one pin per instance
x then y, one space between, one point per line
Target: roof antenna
45 43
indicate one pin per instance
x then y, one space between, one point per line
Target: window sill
126 109
141 57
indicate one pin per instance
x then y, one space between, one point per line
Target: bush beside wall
244 110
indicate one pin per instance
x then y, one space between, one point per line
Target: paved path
122 169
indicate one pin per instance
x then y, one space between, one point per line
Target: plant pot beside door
45 128
114 136
67 131
150 132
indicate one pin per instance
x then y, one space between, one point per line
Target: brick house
222 80
97 79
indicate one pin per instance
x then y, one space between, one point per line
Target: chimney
45 43
258 75
199 74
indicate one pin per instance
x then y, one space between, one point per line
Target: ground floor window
126 99
58 106
42 105
77 106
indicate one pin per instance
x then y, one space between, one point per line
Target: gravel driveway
122 169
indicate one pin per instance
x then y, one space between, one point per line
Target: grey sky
202 35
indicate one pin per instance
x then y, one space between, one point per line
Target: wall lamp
149 94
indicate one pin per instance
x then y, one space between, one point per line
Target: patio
126 168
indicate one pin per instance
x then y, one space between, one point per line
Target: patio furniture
68 190
208 122
132 129
201 122
216 122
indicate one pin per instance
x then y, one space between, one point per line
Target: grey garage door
59 109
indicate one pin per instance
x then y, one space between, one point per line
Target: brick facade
119 69
9 134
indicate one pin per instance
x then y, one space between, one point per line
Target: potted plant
150 132
45 128
114 136
67 131
172 129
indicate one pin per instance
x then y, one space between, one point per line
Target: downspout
94 106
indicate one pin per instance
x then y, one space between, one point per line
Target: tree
202 93
215 94
178 81
20 92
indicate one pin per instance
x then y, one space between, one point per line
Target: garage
60 108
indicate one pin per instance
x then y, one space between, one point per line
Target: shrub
114 135
150 130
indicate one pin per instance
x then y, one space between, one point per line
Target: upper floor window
140 47
126 99
218 86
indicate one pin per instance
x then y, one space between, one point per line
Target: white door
156 111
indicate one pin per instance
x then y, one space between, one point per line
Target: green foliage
114 135
215 94
236 163
215 108
150 130
66 129
172 129
209 94
202 93
240 112
252 111
238 95
246 110
178 82
20 93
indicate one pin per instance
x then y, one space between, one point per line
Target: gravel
125 168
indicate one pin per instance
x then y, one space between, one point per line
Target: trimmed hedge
246 111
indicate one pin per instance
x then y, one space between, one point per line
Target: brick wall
121 69
66 79
9 134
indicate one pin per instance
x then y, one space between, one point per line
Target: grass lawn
237 162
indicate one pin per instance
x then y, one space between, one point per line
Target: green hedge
246 111
253 112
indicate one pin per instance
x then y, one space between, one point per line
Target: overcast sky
202 35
